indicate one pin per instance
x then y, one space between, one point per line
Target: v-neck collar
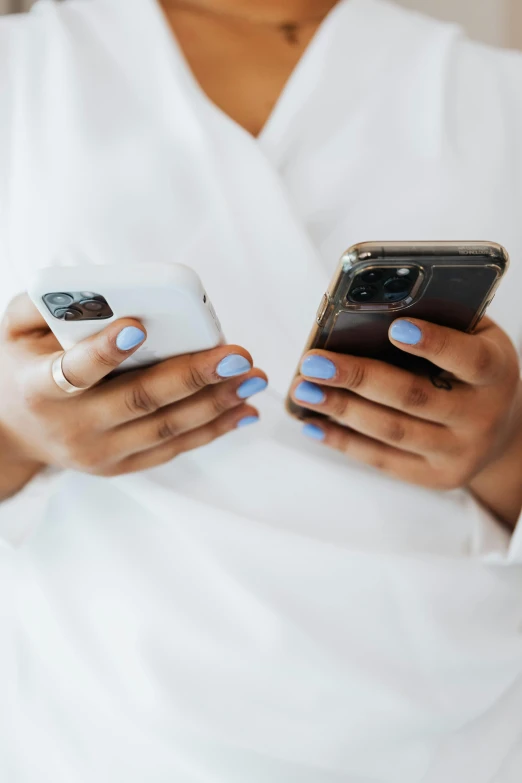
295 89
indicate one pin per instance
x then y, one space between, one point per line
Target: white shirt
261 610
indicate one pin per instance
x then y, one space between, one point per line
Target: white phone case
169 300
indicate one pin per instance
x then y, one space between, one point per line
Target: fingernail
314 432
247 420
309 392
318 367
232 365
251 387
129 338
406 332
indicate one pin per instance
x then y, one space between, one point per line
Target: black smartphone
448 283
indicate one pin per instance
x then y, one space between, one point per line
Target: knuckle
102 355
139 401
167 429
395 430
378 462
438 342
338 405
356 376
484 365
416 396
194 379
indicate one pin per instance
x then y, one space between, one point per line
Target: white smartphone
169 300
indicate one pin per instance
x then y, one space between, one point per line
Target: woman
263 607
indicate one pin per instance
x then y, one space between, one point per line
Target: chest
241 67
167 178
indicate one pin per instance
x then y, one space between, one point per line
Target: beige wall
485 19
6 6
515 22
496 21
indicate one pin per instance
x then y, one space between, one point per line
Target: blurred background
498 22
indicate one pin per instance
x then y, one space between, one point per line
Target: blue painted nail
251 387
232 365
309 392
129 338
406 332
314 432
318 367
247 420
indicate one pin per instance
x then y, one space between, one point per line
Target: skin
468 437
128 423
243 65
468 434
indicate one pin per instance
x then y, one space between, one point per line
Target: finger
89 361
376 421
22 319
192 413
144 392
236 419
479 359
391 386
361 448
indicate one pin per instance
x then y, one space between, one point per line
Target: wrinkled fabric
261 610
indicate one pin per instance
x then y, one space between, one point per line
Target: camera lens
92 305
397 288
68 313
397 285
372 276
364 293
60 300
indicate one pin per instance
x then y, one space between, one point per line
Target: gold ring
60 379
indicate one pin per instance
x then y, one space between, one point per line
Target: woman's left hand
440 434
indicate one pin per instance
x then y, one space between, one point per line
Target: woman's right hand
131 422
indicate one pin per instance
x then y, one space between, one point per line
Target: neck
264 10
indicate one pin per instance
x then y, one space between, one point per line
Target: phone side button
322 310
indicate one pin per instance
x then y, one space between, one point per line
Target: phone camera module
397 288
363 293
68 314
58 299
372 276
384 285
92 305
